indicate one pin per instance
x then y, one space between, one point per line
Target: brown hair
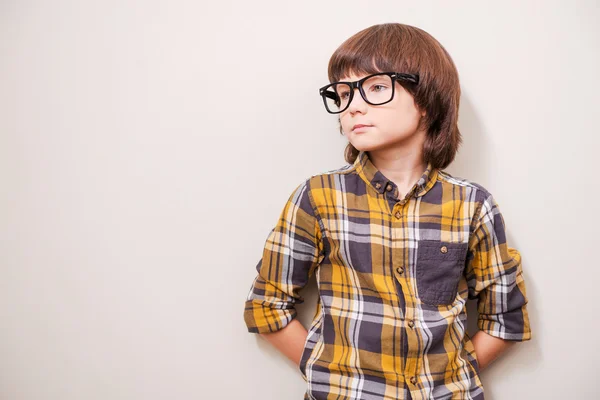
403 48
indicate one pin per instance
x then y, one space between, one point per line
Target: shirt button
400 270
411 323
413 380
389 188
398 214
378 185
444 249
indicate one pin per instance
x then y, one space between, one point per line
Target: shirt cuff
512 325
263 317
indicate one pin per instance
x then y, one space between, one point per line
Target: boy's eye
377 88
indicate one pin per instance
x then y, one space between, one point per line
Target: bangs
372 51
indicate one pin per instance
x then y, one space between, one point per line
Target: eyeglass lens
378 89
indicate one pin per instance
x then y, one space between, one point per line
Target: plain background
148 147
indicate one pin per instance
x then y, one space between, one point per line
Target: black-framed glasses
375 89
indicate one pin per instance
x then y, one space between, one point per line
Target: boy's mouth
360 127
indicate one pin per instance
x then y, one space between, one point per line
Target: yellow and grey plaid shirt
393 277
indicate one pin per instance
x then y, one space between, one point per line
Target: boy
397 244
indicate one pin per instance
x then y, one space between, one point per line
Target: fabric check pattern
393 278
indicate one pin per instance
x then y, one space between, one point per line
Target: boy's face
393 124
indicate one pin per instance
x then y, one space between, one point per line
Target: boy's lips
358 127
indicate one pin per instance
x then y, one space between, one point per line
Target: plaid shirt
393 278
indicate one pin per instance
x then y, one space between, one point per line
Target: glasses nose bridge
357 85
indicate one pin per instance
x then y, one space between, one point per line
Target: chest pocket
439 268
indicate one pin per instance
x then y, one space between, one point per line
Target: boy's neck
402 168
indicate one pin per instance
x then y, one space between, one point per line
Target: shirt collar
368 172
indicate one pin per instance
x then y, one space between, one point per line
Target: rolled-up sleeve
292 251
495 277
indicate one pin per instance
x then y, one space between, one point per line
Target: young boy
397 244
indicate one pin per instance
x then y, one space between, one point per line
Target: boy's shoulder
481 193
317 179
322 179
345 169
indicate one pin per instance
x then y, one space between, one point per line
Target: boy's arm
488 348
495 277
291 253
289 340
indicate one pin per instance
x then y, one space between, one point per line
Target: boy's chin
366 144
366 147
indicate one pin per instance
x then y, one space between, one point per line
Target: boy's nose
357 103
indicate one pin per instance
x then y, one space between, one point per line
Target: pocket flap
439 250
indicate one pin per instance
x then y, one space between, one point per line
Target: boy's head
427 108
